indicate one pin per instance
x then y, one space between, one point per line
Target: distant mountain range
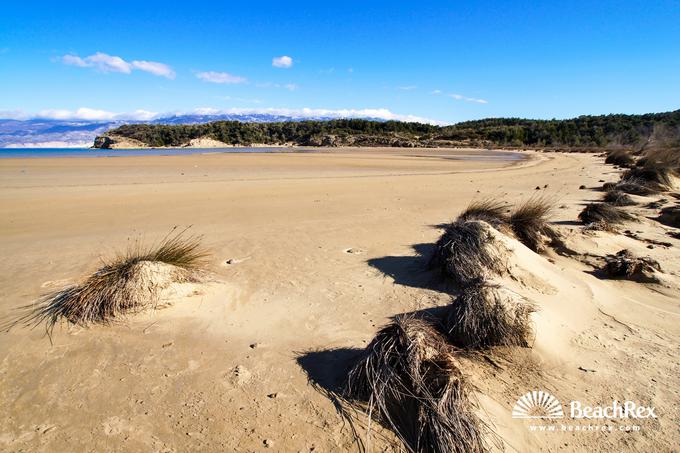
48 133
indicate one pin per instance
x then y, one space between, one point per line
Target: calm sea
89 152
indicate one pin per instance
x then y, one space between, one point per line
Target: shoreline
45 153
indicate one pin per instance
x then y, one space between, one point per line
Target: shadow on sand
412 270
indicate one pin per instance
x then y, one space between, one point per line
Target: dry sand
323 250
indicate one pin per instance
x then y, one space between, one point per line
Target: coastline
18 153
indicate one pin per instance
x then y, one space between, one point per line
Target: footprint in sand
232 261
114 425
353 251
52 283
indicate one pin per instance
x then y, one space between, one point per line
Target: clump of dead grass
618 198
409 380
468 251
604 215
128 282
637 186
654 174
619 157
627 266
529 222
670 216
493 212
485 315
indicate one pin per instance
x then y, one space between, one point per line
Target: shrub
619 157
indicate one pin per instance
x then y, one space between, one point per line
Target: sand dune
311 254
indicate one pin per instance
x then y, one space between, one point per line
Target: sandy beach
311 253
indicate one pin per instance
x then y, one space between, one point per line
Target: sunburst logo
537 404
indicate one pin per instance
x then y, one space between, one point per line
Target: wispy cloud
155 68
287 86
220 77
407 88
283 61
89 114
110 63
460 97
327 71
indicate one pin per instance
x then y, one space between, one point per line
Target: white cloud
73 60
110 63
13 115
51 144
89 114
408 88
220 77
460 97
282 62
155 68
287 86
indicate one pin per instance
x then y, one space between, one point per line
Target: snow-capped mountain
49 133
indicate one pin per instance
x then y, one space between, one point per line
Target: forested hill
628 131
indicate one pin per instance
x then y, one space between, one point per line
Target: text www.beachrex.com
584 428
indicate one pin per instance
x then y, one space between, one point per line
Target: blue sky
447 61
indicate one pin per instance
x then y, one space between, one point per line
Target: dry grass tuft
484 315
127 283
625 265
618 198
619 157
408 380
637 186
604 215
670 216
468 251
666 157
656 175
493 212
529 222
